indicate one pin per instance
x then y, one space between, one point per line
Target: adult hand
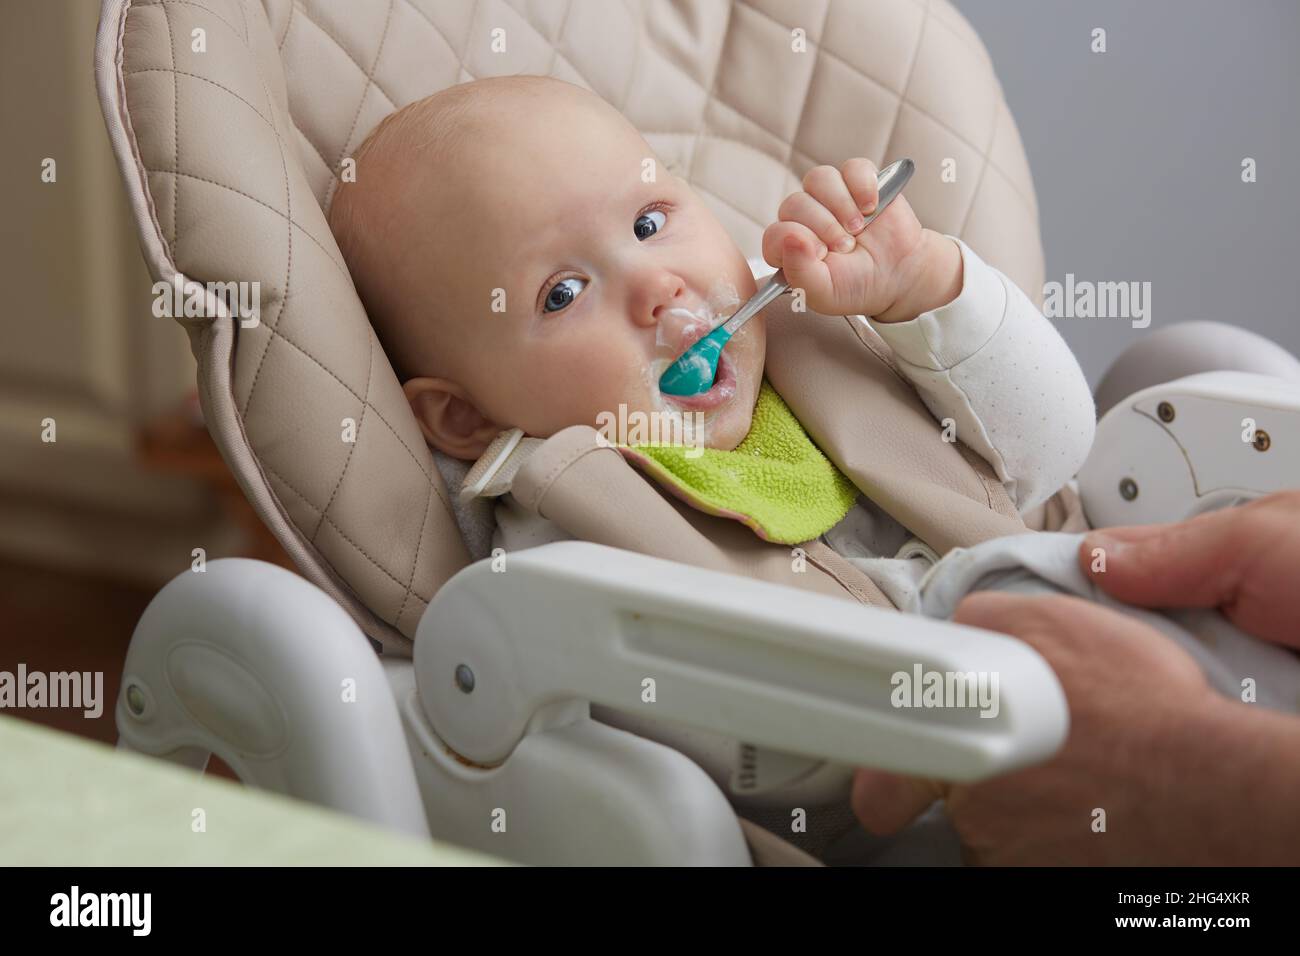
1130 691
1183 775
1242 560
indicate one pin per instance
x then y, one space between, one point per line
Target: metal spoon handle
773 287
889 183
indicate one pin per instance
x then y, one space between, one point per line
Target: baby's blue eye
561 295
646 225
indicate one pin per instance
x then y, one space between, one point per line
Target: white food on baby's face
699 323
721 304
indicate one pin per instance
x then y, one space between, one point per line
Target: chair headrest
230 120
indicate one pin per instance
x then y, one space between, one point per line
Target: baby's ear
450 422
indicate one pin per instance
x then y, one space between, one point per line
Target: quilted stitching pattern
242 143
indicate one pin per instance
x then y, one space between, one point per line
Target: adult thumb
1191 564
1240 560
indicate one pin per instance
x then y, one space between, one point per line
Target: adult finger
884 802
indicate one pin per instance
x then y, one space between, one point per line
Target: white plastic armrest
775 666
251 662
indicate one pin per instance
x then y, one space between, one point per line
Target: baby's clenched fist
885 270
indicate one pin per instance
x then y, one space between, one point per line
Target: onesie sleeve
990 361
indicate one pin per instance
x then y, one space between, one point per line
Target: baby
522 271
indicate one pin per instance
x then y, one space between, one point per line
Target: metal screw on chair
1165 411
1128 489
464 678
134 699
1262 441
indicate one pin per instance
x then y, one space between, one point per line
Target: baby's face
605 278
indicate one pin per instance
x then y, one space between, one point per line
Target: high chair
570 703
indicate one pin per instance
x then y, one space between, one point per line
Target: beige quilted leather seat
230 153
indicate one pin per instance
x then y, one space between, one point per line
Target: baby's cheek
754 348
540 404
598 391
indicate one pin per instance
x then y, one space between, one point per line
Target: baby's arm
968 339
989 361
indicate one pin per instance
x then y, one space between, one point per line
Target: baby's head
520 270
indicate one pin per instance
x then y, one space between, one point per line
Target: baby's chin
720 417
729 426
728 431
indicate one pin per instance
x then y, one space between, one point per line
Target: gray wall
1136 154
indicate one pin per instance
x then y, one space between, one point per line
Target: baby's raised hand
845 269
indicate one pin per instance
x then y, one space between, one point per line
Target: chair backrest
230 120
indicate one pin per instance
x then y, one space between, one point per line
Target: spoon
697 367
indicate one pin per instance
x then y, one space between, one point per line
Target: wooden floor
54 621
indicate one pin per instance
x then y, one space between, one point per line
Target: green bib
776 481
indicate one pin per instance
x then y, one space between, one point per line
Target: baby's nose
655 290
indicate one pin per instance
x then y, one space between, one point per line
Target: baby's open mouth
724 388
